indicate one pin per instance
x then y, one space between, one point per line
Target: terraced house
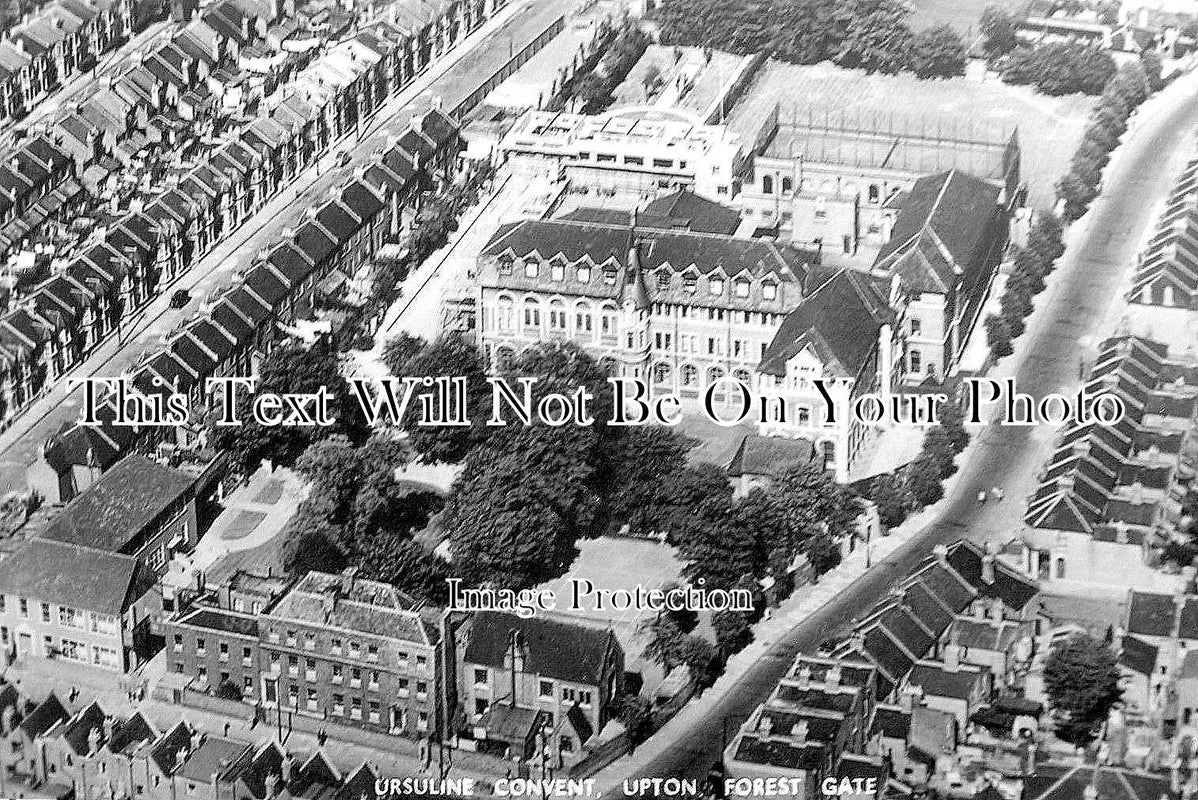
60 41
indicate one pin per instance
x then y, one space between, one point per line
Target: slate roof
43 717
839 320
368 606
215 754
657 253
165 751
765 455
1138 656
555 649
1015 590
74 576
693 212
939 680
1151 614
117 507
943 232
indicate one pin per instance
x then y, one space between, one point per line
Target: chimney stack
832 679
799 731
952 658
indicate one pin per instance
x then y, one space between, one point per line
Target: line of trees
1123 93
1030 267
1053 68
874 35
920 483
592 86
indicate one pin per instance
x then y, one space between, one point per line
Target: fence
509 68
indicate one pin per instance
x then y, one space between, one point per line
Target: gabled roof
78 577
840 321
554 649
942 233
116 509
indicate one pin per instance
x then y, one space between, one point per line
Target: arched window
505 318
767 184
662 374
743 376
532 313
788 184
875 194
557 315
689 374
914 361
582 320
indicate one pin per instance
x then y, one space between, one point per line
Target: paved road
453 78
1084 289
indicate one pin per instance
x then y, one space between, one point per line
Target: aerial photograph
555 399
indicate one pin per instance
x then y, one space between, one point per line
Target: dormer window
742 288
690 283
715 286
609 276
505 265
769 290
663 280
530 268
583 274
557 271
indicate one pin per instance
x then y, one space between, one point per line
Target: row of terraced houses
122 267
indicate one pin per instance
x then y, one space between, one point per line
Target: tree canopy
1081 676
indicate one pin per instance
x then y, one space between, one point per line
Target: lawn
963 15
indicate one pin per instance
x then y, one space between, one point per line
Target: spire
635 278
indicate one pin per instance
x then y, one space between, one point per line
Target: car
180 298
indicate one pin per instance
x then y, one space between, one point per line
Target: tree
1150 60
518 507
998 31
311 548
937 52
399 351
1077 191
636 714
938 449
732 631
1130 85
891 499
698 655
1081 677
450 355
922 480
998 336
638 465
403 562
1059 68
291 369
818 513
664 647
875 35
952 421
651 80
1045 240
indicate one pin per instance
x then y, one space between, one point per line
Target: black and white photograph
555 399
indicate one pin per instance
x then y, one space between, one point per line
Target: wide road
1082 295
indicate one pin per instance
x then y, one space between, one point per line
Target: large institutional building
683 308
633 151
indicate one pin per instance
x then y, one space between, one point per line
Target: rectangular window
45 612
480 675
547 689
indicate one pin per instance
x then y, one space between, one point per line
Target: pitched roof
555 649
1150 614
840 320
116 508
78 577
942 233
764 455
1138 656
693 212
45 716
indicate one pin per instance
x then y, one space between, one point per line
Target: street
452 78
1070 319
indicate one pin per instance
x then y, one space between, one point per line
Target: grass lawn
963 15
242 525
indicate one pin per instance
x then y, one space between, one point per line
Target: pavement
253 515
1069 320
452 78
